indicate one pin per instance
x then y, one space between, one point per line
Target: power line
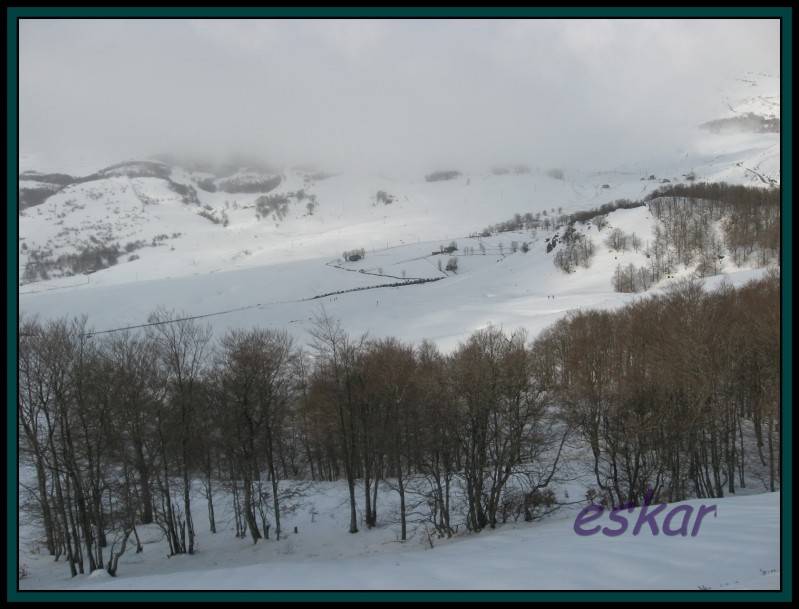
417 281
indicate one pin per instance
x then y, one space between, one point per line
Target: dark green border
783 13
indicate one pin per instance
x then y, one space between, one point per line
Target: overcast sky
379 94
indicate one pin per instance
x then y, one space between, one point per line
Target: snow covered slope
738 548
223 230
252 245
156 218
493 285
754 92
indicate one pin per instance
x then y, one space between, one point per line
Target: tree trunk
374 500
353 513
401 483
144 482
771 465
249 516
187 508
273 476
211 518
41 479
113 561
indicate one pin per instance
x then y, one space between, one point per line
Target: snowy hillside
115 246
187 230
223 230
499 287
148 219
754 92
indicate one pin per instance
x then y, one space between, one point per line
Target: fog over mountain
411 304
379 96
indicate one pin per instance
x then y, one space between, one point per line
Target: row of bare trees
749 217
127 428
678 393
110 427
702 224
674 393
384 410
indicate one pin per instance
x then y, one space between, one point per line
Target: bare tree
335 386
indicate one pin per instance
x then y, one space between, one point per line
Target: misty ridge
746 123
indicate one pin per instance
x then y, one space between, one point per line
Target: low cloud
402 95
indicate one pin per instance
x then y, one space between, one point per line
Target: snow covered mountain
244 244
147 219
267 243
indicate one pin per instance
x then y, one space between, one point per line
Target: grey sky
376 95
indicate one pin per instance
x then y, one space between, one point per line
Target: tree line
701 224
674 392
134 428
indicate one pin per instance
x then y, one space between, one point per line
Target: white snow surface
738 548
498 288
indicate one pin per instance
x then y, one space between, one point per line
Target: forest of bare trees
700 225
676 393
672 392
